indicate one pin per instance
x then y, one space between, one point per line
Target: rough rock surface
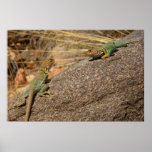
110 89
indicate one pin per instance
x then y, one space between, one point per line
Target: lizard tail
123 43
29 105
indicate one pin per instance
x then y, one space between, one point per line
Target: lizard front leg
108 52
105 56
43 89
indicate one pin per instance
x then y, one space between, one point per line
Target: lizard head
93 53
88 53
47 64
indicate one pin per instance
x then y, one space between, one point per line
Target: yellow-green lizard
106 50
37 85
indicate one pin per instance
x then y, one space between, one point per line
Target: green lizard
37 85
106 50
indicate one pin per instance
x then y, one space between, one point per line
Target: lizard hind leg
22 100
20 103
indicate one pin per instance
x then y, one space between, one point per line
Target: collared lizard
37 85
106 50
